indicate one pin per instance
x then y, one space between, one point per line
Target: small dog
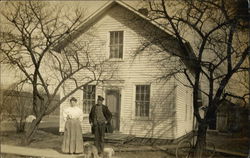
90 150
108 152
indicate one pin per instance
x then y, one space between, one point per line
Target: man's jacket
107 114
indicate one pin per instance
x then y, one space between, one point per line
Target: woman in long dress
72 140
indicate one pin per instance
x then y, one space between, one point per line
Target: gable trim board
164 119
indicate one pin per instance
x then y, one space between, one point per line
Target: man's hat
100 98
73 99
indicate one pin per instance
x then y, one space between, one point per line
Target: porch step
116 137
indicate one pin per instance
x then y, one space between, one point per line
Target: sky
7 76
92 5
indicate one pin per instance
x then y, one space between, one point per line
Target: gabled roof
93 17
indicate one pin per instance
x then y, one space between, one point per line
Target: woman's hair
73 99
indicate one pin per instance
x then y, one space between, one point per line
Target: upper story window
142 100
116 44
88 97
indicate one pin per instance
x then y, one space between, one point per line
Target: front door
113 103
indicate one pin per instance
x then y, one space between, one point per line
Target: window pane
142 100
142 90
146 89
112 51
142 110
147 108
137 109
137 96
88 97
120 51
116 37
116 44
120 37
116 51
147 97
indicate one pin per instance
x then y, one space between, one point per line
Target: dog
90 150
108 153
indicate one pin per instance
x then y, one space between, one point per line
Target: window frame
88 100
139 117
109 46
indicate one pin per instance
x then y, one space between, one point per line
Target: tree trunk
26 140
20 127
200 144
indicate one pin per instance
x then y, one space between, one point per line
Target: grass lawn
42 139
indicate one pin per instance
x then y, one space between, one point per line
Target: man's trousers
99 131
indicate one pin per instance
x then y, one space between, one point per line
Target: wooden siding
144 69
184 106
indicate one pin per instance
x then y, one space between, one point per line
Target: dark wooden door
113 103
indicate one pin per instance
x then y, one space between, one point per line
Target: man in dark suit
98 118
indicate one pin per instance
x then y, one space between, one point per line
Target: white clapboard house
142 104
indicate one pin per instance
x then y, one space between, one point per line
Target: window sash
116 44
142 100
88 97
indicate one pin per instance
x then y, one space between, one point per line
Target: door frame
119 104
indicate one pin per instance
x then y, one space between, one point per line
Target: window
88 97
142 100
116 44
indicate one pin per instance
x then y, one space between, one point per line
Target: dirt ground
49 138
230 142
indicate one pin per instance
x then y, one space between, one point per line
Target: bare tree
31 33
218 35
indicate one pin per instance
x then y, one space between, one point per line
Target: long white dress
72 140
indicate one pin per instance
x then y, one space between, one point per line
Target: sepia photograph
124 79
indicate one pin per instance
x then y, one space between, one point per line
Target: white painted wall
143 69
